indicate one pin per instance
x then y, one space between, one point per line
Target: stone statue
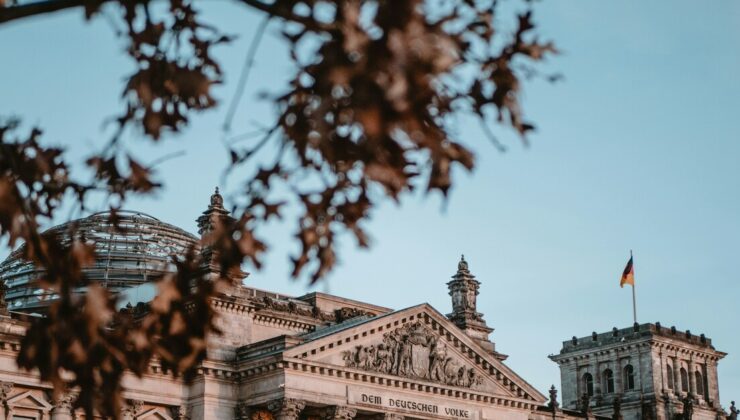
733 412
688 408
436 361
617 407
586 404
405 367
382 359
553 404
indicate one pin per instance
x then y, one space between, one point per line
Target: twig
487 131
248 64
167 157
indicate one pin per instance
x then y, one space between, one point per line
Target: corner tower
644 372
464 291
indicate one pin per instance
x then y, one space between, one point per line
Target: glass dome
134 252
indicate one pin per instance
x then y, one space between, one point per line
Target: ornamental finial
462 265
216 199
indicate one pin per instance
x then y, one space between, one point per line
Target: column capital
242 411
132 409
338 412
286 408
180 412
65 401
5 389
64 406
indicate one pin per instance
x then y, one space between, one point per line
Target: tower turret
207 222
464 291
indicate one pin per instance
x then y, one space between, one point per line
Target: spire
463 289
214 215
215 211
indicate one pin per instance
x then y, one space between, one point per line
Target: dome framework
133 251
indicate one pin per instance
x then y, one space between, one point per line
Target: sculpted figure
733 412
404 364
450 370
473 379
394 347
349 358
688 408
369 357
461 377
436 362
617 408
382 359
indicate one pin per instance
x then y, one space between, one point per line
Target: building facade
320 356
648 371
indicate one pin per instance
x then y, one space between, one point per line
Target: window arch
684 380
588 384
608 381
629 378
699 383
669 372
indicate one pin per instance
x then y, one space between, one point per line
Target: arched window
588 384
699 383
669 373
608 379
629 378
684 380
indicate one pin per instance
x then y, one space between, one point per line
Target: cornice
355 376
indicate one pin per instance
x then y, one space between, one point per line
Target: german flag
628 276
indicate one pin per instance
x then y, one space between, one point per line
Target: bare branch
25 10
248 64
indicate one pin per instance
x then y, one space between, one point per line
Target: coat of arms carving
413 351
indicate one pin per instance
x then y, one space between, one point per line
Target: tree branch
25 10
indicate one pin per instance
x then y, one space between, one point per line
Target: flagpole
634 299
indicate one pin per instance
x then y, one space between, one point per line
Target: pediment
416 343
29 400
154 414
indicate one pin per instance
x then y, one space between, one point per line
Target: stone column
676 376
597 380
63 407
338 412
286 408
618 380
692 377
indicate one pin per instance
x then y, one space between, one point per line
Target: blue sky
636 149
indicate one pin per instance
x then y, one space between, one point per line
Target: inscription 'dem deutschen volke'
416 406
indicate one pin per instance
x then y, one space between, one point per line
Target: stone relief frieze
413 351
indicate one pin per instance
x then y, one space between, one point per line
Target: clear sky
636 149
